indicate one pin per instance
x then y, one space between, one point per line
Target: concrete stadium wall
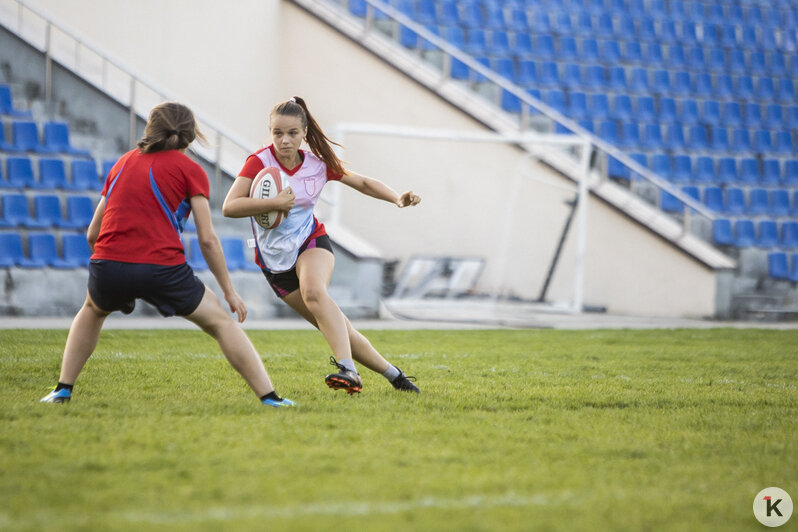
235 61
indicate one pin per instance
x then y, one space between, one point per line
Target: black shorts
173 290
284 283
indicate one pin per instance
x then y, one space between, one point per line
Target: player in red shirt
138 254
296 257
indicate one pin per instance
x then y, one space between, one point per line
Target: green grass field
514 430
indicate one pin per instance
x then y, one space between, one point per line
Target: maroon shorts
284 283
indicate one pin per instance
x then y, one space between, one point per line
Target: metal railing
396 20
225 150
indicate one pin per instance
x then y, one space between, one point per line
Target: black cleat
404 384
344 379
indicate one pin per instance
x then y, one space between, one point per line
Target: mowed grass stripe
514 430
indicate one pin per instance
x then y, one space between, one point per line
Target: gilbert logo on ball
772 506
266 185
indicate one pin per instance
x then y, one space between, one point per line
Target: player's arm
96 221
211 249
377 189
238 204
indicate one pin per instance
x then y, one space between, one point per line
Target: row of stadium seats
7 107
675 55
52 173
745 233
645 109
42 252
694 139
705 170
634 81
735 202
557 16
25 138
783 268
47 211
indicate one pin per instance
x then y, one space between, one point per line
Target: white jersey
277 249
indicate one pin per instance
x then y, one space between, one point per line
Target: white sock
391 373
349 364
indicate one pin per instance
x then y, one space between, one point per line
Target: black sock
271 395
62 386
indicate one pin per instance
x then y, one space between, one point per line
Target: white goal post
534 143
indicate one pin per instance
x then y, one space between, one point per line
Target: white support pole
581 229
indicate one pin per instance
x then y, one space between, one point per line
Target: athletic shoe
61 396
282 403
344 379
402 383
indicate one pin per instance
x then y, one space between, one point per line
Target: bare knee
314 296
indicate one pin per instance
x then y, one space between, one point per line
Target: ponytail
319 143
170 126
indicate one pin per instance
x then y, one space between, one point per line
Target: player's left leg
81 342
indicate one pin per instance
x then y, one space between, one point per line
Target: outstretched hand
408 199
237 306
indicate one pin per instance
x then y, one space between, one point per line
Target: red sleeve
333 176
197 182
251 167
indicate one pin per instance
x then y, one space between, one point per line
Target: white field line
349 509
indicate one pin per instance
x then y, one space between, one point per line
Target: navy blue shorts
284 283
173 290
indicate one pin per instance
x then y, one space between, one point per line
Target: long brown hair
319 143
170 126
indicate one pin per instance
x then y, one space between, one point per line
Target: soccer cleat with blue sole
61 396
344 379
282 403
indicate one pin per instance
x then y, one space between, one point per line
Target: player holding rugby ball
296 256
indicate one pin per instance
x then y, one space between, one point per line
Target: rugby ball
266 185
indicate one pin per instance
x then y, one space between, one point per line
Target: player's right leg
236 346
81 341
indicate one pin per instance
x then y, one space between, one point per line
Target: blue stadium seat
610 53
51 173
765 91
41 251
471 15
710 36
744 89
744 233
236 258
56 139
749 171
523 46
676 59
638 82
735 201
567 50
84 175
600 107
661 84
79 211
669 203
505 67
632 53
493 16
762 141
786 91
622 107
644 109
645 29
577 106
7 104
682 169
75 252
768 234
448 14
455 36
789 235
688 115
741 140
510 102
548 75
584 24
19 173
527 72
595 78
710 113
499 43
737 61
630 136
653 56
696 59
666 32
408 38
48 212
722 232
544 47
720 139
571 76
458 69
195 257
730 115
716 62
10 249
689 35
701 86
674 137
617 79
555 99
727 171
753 115
518 20
652 138
704 170
777 66
784 144
661 165
771 172
758 201
713 199
791 174
475 43
698 138
724 88
773 116
562 23
16 212
616 169
756 63
26 136
779 202
667 110
777 266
